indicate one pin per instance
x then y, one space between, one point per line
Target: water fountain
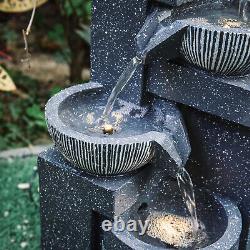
188 89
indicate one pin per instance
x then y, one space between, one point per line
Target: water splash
106 120
121 83
142 39
243 5
187 191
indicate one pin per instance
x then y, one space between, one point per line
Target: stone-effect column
73 204
115 24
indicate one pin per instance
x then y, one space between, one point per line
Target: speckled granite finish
220 158
73 205
115 25
71 200
217 114
218 126
123 152
224 212
174 2
227 97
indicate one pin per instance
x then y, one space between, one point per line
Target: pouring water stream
121 83
183 178
243 5
187 192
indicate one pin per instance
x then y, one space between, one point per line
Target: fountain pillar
115 25
74 204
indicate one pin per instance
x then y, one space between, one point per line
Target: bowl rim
215 28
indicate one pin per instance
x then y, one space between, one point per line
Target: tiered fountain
183 104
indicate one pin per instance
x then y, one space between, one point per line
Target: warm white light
108 129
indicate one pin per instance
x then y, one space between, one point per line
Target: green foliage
55 90
8 35
80 7
19 212
56 34
37 115
22 120
84 33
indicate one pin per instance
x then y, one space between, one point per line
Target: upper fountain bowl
69 115
218 44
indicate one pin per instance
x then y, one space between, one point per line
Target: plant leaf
84 33
35 112
15 6
6 83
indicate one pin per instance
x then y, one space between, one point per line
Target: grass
19 206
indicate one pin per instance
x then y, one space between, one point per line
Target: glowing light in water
175 230
108 129
104 121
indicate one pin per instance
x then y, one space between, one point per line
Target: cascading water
184 180
243 5
121 83
187 191
104 123
148 30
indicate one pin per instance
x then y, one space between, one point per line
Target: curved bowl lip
190 22
226 240
54 120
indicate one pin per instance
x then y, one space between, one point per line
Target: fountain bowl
216 49
97 154
220 217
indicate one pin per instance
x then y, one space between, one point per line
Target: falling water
187 192
243 4
121 83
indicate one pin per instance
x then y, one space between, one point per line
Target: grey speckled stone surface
73 205
216 111
68 198
115 25
220 158
174 2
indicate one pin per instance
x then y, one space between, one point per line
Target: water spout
243 5
142 39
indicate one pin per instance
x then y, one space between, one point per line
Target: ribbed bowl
141 131
102 159
96 154
219 51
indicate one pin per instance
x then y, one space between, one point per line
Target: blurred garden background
34 65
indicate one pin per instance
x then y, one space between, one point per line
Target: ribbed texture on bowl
103 159
226 53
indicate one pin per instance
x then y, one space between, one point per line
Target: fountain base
220 217
74 204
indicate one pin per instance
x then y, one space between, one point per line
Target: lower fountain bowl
219 51
220 217
95 153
